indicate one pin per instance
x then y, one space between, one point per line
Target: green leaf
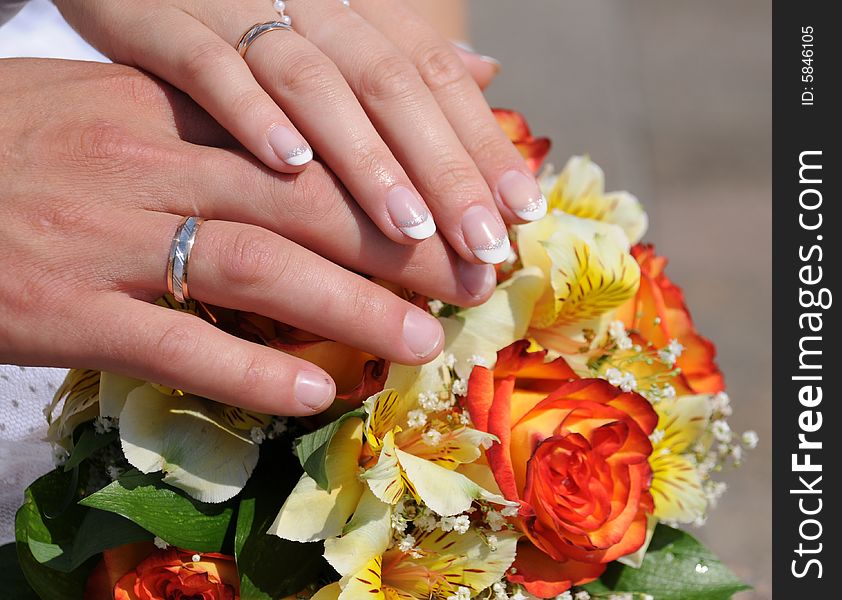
65 541
164 511
89 442
676 567
312 448
52 537
259 554
12 580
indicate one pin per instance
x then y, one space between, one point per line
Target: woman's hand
383 99
94 186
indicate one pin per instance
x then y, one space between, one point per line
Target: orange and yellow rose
574 453
658 314
143 572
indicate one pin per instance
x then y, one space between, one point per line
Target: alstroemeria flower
396 458
579 190
676 484
533 149
588 273
80 392
203 447
441 564
658 313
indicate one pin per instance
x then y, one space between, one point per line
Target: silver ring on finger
182 244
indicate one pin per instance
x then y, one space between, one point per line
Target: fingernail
421 332
409 214
485 235
478 280
463 45
314 390
289 146
521 193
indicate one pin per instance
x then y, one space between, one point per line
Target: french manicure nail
463 45
314 390
289 146
485 235
422 333
409 214
521 193
478 280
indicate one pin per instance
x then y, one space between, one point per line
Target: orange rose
574 453
143 572
658 314
533 149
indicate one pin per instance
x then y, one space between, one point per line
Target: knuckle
135 86
389 77
316 198
202 60
175 343
253 260
457 179
307 73
247 103
440 66
107 145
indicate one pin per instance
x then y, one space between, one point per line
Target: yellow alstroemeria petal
460 446
365 584
386 413
682 419
408 381
443 491
452 560
385 478
331 591
240 418
590 277
311 513
181 437
113 391
80 392
503 319
579 190
676 488
364 538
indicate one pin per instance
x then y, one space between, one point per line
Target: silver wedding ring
258 29
182 244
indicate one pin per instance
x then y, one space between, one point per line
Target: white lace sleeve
24 456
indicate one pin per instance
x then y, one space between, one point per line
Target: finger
251 269
180 350
312 91
515 190
483 69
409 119
230 186
187 54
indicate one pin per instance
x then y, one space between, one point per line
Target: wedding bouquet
572 425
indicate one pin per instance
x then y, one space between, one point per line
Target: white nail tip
533 212
299 156
421 231
495 252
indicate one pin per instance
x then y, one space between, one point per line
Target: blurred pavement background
673 100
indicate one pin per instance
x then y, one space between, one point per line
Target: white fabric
38 30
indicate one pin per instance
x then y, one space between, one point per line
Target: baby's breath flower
510 511
495 520
750 439
104 425
477 360
416 418
582 595
499 590
435 306
564 596
460 387
721 431
258 436
160 543
406 544
431 437
462 593
613 375
656 436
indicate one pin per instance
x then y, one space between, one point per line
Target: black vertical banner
807 403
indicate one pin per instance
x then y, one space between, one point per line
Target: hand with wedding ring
94 190
372 88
